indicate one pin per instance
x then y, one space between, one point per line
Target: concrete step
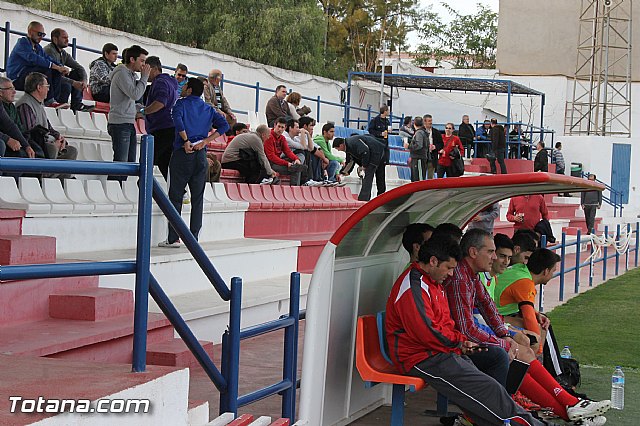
250 259
92 304
175 353
28 300
198 413
166 388
262 300
11 221
105 341
27 249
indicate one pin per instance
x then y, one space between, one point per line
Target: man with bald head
213 95
28 56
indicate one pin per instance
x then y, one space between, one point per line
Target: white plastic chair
10 197
68 119
32 193
95 192
100 121
114 193
105 151
85 122
53 191
74 190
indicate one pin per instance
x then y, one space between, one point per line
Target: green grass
602 328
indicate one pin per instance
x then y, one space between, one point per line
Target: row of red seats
283 197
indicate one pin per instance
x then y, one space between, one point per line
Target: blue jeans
188 169
65 89
332 169
54 78
123 139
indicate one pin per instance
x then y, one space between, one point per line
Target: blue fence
620 240
227 377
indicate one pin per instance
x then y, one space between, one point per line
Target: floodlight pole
384 54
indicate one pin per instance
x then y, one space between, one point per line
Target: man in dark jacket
591 201
541 162
369 153
499 146
467 134
277 106
419 151
380 126
435 144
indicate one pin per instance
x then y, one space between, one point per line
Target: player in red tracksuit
423 341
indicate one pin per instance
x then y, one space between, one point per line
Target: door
620 169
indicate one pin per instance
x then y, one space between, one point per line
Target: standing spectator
419 151
181 77
125 90
295 110
541 162
466 133
591 201
213 95
435 144
28 56
407 130
33 117
100 73
483 136
450 141
485 218
12 142
499 147
277 106
76 81
380 124
525 211
245 153
368 152
558 158
157 113
282 159
193 120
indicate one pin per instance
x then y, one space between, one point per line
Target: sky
462 6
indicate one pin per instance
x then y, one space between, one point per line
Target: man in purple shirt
157 113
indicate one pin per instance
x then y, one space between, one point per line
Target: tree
468 41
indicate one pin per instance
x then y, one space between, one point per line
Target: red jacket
418 323
449 143
275 146
533 207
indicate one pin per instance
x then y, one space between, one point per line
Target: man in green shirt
328 131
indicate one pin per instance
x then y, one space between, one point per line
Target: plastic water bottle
617 389
566 353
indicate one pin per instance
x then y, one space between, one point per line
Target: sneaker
167 244
266 181
593 421
275 181
312 182
585 409
84 108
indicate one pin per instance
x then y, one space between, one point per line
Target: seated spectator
465 292
100 73
245 153
448 229
368 152
181 76
523 246
541 162
73 83
291 131
28 56
321 169
427 345
295 111
213 95
525 211
277 106
324 143
14 143
406 130
282 159
445 161
414 236
34 119
483 136
214 167
237 129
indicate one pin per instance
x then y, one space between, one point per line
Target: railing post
626 252
605 253
7 42
143 251
543 244
231 350
290 362
317 118
257 96
563 252
637 242
617 241
74 48
577 272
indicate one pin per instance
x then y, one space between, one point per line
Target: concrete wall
541 37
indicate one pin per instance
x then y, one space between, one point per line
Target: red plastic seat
258 195
268 194
325 195
313 194
279 194
292 194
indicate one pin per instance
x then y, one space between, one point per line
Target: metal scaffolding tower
601 103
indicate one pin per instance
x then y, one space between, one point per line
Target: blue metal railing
226 381
614 199
591 262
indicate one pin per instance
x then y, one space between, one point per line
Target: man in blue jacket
28 56
193 119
